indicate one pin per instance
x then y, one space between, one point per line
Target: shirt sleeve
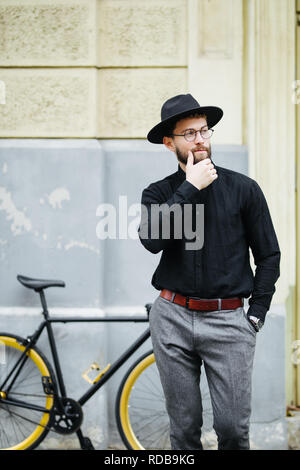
158 210
263 242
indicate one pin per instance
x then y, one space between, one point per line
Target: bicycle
33 397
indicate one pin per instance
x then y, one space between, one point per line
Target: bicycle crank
69 419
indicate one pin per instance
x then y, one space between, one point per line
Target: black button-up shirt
236 218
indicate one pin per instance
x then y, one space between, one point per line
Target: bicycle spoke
25 411
140 429
157 433
18 415
149 393
17 425
146 409
159 439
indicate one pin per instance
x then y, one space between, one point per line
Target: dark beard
183 158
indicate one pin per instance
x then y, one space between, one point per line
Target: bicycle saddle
39 284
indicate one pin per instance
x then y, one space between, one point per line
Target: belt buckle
219 304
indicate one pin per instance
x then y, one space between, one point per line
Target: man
198 317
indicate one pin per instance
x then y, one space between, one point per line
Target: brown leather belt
202 304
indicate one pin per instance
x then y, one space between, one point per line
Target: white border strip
138 310
118 310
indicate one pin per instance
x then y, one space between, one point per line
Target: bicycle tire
21 428
142 427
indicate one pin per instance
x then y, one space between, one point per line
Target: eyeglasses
190 134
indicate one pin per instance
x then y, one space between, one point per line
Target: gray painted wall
49 194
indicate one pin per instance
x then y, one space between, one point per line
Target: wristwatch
256 322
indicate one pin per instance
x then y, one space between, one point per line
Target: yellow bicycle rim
124 414
12 342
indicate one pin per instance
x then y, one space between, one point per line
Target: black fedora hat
177 108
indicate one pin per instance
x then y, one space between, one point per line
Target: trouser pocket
249 324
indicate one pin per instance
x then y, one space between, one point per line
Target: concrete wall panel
130 100
43 33
48 103
142 33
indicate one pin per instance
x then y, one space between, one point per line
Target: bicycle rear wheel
23 427
141 414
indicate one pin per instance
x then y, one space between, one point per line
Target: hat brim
158 132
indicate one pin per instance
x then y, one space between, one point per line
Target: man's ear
168 142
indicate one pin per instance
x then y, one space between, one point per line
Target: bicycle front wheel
25 403
141 414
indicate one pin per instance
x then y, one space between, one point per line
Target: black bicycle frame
113 368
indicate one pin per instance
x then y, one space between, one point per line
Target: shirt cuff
190 193
257 311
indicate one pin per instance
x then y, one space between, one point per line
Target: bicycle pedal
94 366
47 385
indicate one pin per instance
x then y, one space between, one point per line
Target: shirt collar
181 173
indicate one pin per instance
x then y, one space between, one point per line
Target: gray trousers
224 341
